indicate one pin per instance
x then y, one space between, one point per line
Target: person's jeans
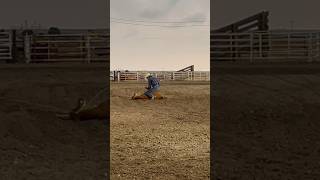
151 91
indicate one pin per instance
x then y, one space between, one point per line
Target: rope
97 95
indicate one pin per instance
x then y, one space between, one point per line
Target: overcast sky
142 40
304 14
61 13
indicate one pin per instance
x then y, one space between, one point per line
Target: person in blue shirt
153 86
153 89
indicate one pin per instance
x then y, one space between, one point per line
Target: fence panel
5 46
129 76
161 75
265 46
67 48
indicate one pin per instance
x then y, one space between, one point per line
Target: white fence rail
161 75
5 45
67 48
268 46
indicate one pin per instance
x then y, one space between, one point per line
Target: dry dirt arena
266 121
34 144
160 139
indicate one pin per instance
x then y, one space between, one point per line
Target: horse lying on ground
80 113
157 95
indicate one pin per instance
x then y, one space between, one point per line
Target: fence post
289 49
318 48
231 47
251 47
137 76
260 45
88 47
27 51
310 47
48 47
13 47
118 76
270 45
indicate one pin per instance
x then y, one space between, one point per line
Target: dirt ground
34 144
266 121
160 139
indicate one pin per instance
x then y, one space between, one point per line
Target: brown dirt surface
34 144
266 121
160 139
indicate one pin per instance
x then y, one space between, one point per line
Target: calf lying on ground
81 113
152 89
156 95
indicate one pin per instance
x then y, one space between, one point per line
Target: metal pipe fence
161 75
5 45
67 48
265 46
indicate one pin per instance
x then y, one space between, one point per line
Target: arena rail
273 46
5 46
67 48
161 75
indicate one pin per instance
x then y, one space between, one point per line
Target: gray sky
61 13
139 40
304 14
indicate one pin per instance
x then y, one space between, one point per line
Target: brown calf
157 95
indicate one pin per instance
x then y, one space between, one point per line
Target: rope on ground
96 95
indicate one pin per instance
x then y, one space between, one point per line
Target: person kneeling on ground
152 89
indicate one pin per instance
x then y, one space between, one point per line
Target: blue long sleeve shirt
153 82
